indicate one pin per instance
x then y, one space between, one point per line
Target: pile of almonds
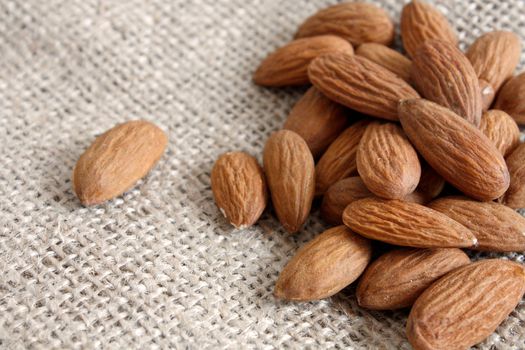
421 152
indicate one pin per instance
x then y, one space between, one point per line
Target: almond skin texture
487 94
455 148
387 58
431 183
387 162
317 120
466 305
360 84
511 98
289 169
405 224
356 22
397 278
501 129
515 196
421 22
239 188
288 65
116 160
339 160
441 73
494 56
327 264
498 228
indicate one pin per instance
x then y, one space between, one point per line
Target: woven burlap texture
159 267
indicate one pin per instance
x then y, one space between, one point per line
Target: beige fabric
159 267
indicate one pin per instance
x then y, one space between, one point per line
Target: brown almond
455 148
116 160
441 73
511 98
387 162
386 57
288 65
405 224
327 264
356 22
431 183
339 160
494 56
421 22
317 120
239 188
487 94
466 305
289 169
501 129
397 278
498 228
515 195
360 84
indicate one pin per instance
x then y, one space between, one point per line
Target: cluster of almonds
378 136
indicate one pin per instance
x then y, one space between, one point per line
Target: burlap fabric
159 267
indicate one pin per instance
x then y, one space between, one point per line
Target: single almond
348 190
455 148
239 188
289 169
421 22
494 56
386 57
487 94
405 224
498 228
356 22
397 278
288 65
116 160
466 305
339 160
515 195
327 264
317 120
387 162
360 84
441 73
511 98
501 129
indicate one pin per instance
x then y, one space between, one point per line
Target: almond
239 188
466 305
487 94
441 73
289 169
288 65
497 227
397 278
387 162
421 22
494 56
327 264
356 22
430 184
387 58
339 160
515 196
360 84
317 120
511 98
455 148
501 129
116 160
405 224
